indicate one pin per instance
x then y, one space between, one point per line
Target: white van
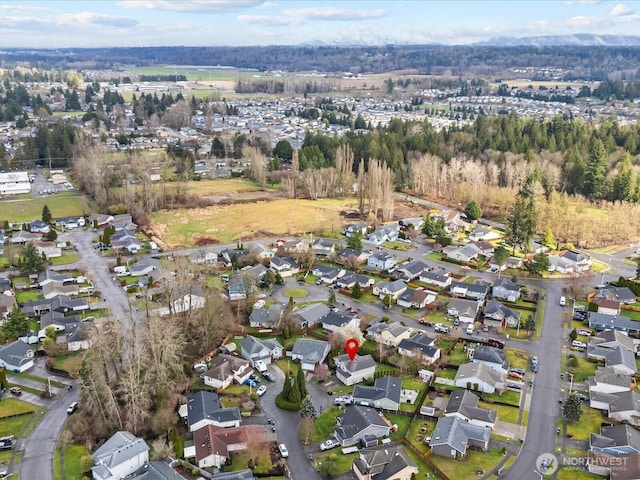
578 344
261 366
563 301
470 329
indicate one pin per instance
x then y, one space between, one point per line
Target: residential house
322 248
237 475
623 295
500 316
569 262
60 304
254 349
411 270
38 226
327 274
3 239
266 317
393 289
384 462
49 276
285 266
477 291
78 336
310 352
624 466
354 229
606 305
311 314
463 310
56 320
213 446
350 255
613 339
360 423
415 222
621 406
441 280
245 282
186 299
354 371
156 470
483 233
505 289
464 405
421 345
452 437
54 289
381 261
261 251
384 233
416 298
48 249
514 263
615 440
389 334
580 260
70 222
227 369
7 304
334 320
125 241
226 256
120 456
453 221
620 359
5 286
16 356
486 249
606 380
600 321
204 256
123 222
99 219
465 254
350 279
384 394
477 376
203 408
492 357
144 266
22 237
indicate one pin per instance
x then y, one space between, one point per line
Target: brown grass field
228 223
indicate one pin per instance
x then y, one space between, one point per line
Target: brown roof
606 303
625 467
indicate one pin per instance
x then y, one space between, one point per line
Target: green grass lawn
13 425
517 358
589 423
448 373
568 473
416 438
505 413
466 469
12 406
68 256
27 296
69 362
295 293
509 397
412 383
584 370
403 425
60 205
72 456
325 423
457 356
343 462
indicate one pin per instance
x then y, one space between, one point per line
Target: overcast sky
97 23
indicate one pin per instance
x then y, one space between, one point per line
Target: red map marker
351 346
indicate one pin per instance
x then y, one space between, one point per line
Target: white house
354 371
16 356
227 369
479 377
119 457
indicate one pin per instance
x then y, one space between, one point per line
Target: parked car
72 408
269 421
514 386
439 328
345 399
485 328
254 377
456 322
250 382
269 376
425 322
261 390
17 391
515 374
584 332
518 370
578 344
283 450
582 397
6 443
329 444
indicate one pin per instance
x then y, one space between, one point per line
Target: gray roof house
384 394
156 470
463 310
266 317
422 345
121 455
49 276
334 320
358 256
603 321
203 408
615 440
358 422
607 380
245 282
390 334
394 289
620 359
327 274
500 316
237 475
492 357
613 339
619 294
349 279
505 289
354 371
16 356
225 369
416 298
479 377
464 405
310 315
310 352
384 462
621 406
61 304
381 260
322 247
411 270
452 437
254 349
438 279
144 266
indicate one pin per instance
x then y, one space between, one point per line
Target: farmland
61 205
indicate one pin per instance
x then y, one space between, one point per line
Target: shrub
573 362
286 405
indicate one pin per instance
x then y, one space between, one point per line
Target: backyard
467 468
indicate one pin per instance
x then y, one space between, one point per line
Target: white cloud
621 11
204 6
334 14
267 20
68 21
23 8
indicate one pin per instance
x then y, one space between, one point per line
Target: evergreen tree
355 241
46 214
539 264
332 297
521 221
572 409
51 235
596 170
356 291
473 210
500 256
3 379
17 324
32 261
286 388
294 394
301 383
624 183
307 408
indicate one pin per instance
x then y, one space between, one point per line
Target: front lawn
590 422
517 358
343 462
584 370
68 256
295 293
13 425
467 468
12 406
448 373
569 473
69 362
509 397
325 423
72 456
505 413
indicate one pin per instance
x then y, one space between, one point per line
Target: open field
28 210
231 222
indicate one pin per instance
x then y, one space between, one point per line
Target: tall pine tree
596 170
286 388
301 383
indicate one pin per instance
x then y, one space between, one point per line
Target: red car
515 374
